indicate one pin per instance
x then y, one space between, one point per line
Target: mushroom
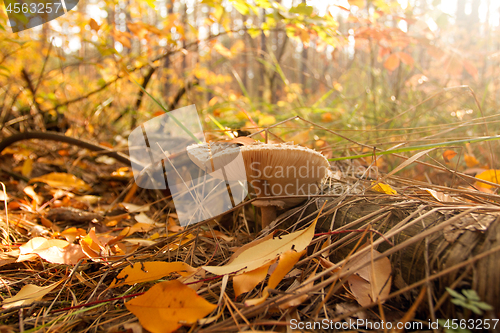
277 169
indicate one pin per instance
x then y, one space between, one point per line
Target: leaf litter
136 264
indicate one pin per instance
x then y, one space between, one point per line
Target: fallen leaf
247 281
56 251
167 306
93 247
143 218
173 226
28 294
384 188
470 161
286 262
197 275
131 208
73 233
269 249
30 192
150 271
140 227
217 234
490 176
297 300
371 282
63 181
448 155
440 196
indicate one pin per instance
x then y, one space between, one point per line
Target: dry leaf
384 188
252 258
440 196
63 181
371 282
448 155
285 264
131 208
470 160
56 251
73 233
197 275
30 192
247 281
167 306
150 271
490 176
143 218
297 300
217 234
28 294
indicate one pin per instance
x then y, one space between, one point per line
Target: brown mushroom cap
280 169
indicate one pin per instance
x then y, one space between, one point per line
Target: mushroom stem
268 215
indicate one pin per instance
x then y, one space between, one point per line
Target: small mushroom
271 170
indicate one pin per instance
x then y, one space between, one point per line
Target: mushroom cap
272 169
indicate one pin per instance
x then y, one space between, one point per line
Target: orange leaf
448 155
406 58
247 281
167 306
285 264
470 160
392 62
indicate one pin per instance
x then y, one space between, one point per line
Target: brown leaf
371 282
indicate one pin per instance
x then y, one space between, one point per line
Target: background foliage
381 72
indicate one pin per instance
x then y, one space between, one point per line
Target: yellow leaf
490 176
167 306
73 233
28 294
27 167
371 282
358 3
222 50
266 120
384 188
470 161
258 253
247 281
286 263
63 181
150 271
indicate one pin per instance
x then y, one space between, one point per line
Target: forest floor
86 250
